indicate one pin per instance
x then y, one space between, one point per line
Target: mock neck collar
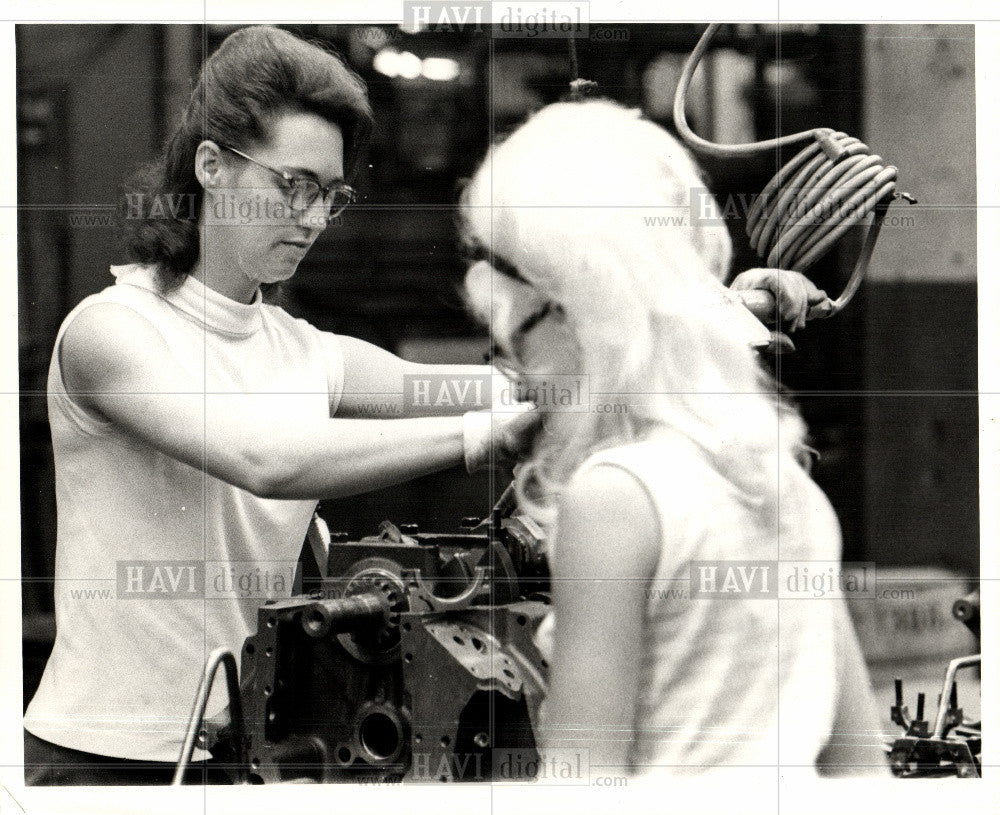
196 300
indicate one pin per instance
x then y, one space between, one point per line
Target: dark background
888 387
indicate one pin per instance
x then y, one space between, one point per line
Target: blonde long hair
592 204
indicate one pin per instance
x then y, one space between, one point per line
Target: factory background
889 387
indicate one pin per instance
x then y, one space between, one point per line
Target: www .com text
380 409
91 220
682 594
665 220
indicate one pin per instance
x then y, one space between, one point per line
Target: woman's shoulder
681 486
600 507
285 321
665 460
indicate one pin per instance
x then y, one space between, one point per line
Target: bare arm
378 382
118 365
607 549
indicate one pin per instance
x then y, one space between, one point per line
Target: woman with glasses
675 496
194 425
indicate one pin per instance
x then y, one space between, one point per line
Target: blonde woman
683 458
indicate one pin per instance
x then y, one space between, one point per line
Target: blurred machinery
412 659
950 745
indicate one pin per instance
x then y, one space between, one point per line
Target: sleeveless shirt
738 677
157 562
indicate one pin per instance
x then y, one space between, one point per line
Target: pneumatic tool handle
763 305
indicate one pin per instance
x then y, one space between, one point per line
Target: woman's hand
499 438
795 293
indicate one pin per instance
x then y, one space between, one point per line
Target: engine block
412 659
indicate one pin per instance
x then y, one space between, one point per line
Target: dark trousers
48 764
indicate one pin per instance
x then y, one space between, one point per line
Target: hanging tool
833 184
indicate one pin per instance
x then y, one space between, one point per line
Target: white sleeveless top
725 681
158 563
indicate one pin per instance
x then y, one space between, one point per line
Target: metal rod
949 680
224 657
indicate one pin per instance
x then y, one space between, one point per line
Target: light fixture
406 65
440 69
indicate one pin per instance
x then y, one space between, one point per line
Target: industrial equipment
411 659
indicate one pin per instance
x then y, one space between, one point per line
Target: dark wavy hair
256 74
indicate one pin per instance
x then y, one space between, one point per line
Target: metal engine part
412 660
950 745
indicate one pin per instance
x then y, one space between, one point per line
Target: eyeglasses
507 366
303 192
511 366
476 252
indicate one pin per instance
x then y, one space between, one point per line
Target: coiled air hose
833 184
